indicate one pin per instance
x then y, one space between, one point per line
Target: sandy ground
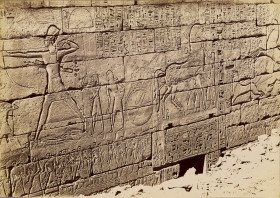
252 170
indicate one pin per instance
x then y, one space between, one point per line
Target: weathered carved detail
97 93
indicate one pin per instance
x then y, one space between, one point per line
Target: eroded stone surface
94 94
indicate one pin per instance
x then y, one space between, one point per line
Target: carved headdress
52 30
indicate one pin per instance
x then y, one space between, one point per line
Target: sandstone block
250 112
22 82
29 22
26 115
139 42
167 39
5 185
236 135
14 151
255 129
268 14
151 16
92 19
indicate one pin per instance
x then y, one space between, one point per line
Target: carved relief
212 158
127 90
224 13
180 76
236 135
265 65
140 108
29 22
109 179
141 67
115 93
255 129
108 157
186 141
91 73
189 106
269 107
14 150
111 2
189 13
24 45
268 14
158 148
241 92
250 112
26 114
167 39
24 82
139 42
52 59
6 128
210 32
266 85
141 17
92 19
4 183
93 111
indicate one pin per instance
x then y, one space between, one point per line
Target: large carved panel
94 94
182 142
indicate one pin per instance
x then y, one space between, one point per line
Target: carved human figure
4 183
52 58
115 93
5 109
92 100
17 181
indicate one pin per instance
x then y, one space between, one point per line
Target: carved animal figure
167 82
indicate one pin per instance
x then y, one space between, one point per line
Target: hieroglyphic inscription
92 19
141 17
212 32
183 142
167 39
268 14
94 94
225 13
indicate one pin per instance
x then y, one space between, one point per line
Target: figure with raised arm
52 58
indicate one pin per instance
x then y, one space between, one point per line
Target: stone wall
99 93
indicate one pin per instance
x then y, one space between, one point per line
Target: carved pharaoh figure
52 58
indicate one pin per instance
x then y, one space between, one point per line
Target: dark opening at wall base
197 162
